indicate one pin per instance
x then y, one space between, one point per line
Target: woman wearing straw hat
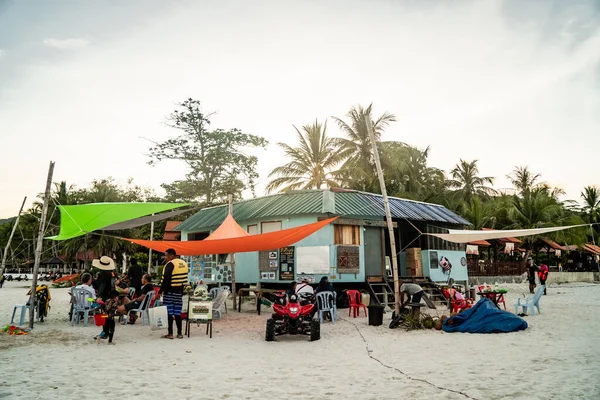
106 265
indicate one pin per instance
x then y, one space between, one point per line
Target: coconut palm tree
468 183
591 206
408 175
311 163
479 213
358 171
523 179
540 208
591 203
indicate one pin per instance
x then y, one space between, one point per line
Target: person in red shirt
543 275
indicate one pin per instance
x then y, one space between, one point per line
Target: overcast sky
507 83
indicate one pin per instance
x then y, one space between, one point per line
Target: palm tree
540 208
407 173
311 163
523 179
591 206
359 168
479 213
468 183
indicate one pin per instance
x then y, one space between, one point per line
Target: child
110 308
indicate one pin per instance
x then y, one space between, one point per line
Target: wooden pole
388 217
12 233
150 250
232 259
40 244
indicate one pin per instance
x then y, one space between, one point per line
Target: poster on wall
267 276
348 260
313 260
286 263
433 259
267 260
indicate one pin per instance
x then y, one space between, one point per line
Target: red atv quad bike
293 316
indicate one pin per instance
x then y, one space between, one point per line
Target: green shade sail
85 218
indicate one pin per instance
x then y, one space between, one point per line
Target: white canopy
462 236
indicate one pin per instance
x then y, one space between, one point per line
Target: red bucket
100 319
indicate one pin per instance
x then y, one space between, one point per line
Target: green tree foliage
217 160
468 183
408 175
358 169
524 180
311 163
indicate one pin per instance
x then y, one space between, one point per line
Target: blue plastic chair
81 306
326 303
143 309
24 308
531 302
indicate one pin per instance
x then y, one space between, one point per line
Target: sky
89 84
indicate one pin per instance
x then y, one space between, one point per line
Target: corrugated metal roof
312 202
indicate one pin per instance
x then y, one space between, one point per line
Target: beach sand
555 358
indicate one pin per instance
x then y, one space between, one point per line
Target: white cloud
1 53
67 44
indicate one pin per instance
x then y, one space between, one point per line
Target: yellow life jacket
180 273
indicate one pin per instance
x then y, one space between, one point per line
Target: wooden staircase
383 293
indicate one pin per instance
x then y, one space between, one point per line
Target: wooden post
388 217
150 250
12 233
40 244
232 259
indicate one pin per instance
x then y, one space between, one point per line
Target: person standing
135 275
106 265
543 275
174 279
531 270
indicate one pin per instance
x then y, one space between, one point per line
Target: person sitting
292 289
324 285
122 286
86 281
304 287
146 290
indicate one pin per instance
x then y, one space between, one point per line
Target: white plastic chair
214 292
531 302
326 302
81 306
143 308
219 301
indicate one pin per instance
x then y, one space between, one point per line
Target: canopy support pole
40 244
388 217
150 250
232 259
12 233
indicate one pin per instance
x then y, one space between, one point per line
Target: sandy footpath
555 358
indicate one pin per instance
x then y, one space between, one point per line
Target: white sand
555 358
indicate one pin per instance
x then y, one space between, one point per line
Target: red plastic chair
457 304
355 304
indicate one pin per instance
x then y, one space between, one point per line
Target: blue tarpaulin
484 317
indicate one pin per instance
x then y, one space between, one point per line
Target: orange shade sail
229 229
266 241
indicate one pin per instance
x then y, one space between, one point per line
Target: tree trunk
40 244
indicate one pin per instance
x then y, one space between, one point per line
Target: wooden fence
495 268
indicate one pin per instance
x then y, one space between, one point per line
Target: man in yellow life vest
175 278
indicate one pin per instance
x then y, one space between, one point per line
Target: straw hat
104 263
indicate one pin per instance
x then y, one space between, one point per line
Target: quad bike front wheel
315 330
270 332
